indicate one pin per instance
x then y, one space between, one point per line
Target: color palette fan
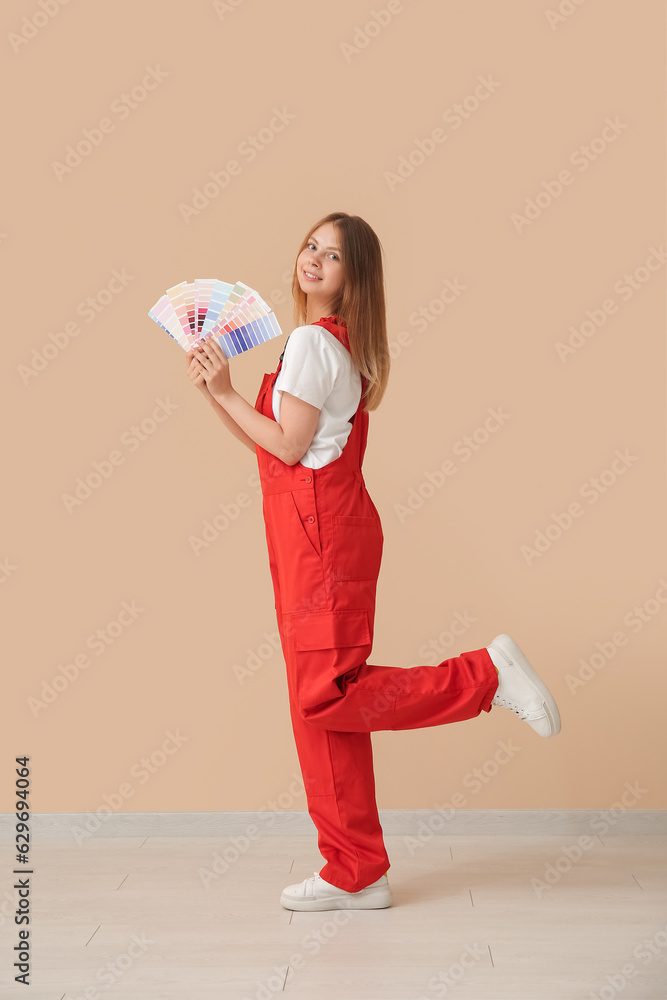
236 315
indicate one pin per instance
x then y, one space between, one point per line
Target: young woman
308 428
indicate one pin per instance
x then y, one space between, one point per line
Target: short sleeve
310 365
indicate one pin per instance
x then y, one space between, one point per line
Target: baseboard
401 822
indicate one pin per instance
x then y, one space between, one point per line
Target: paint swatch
237 316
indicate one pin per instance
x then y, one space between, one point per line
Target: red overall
325 546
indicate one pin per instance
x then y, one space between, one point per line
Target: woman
308 429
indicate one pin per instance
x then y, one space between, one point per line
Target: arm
288 440
230 423
197 380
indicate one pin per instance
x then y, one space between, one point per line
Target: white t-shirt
319 369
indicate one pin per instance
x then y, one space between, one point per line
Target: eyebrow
313 240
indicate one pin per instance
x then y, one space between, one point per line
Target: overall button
308 479
311 519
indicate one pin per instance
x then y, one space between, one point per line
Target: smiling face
320 270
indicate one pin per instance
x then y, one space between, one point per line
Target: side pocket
297 563
327 646
330 629
357 547
307 519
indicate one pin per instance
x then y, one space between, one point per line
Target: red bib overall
325 546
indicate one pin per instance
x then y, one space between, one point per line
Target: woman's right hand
195 374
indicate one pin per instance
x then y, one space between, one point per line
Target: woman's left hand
214 365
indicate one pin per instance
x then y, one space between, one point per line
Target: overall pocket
297 560
308 519
357 547
327 645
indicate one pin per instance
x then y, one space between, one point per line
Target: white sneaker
520 689
315 893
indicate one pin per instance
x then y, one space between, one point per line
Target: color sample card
235 314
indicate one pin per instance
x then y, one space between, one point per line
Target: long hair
361 301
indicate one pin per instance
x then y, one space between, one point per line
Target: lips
308 278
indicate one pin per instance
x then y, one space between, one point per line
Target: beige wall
554 82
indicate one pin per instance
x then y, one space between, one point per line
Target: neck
315 311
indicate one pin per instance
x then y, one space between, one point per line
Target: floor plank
194 918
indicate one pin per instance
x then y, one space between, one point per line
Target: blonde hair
361 301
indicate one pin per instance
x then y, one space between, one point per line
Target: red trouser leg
369 698
336 701
336 688
337 770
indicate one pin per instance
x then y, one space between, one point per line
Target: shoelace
311 880
317 875
505 703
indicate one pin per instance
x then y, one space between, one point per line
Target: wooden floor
480 918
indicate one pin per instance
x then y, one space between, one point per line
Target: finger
216 348
209 359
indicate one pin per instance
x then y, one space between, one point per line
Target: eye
335 256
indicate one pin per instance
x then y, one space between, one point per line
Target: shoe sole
511 650
376 901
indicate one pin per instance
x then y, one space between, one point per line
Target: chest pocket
357 547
